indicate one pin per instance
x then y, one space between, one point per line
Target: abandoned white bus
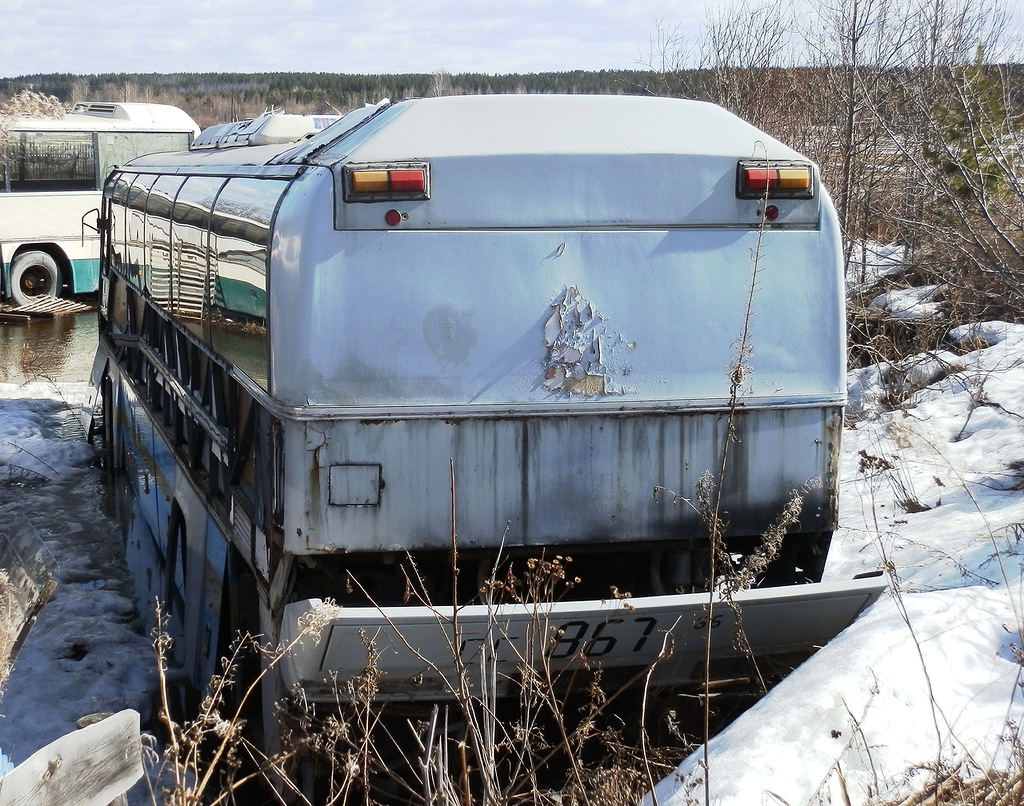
51 177
476 331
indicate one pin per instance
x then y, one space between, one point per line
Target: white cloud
342 35
319 35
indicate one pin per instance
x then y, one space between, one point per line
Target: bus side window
190 282
118 200
158 234
135 230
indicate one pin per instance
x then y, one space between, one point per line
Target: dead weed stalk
535 734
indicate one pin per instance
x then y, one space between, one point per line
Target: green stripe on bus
85 275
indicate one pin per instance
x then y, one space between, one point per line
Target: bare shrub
915 125
31 104
210 757
554 738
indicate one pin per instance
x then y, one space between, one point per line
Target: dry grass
27 104
32 104
961 787
556 740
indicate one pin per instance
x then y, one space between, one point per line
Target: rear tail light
407 181
759 179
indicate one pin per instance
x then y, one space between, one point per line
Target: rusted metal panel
555 480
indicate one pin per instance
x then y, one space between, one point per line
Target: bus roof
102 115
494 125
527 161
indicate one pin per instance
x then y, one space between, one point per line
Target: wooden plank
87 767
50 306
29 570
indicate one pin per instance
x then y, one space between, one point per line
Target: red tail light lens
389 182
759 179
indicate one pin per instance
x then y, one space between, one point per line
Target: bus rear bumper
431 653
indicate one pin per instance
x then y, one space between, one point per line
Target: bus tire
34 274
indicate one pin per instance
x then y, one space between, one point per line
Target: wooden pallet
48 306
92 766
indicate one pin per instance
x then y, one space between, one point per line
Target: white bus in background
51 177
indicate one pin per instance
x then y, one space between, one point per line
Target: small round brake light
393 218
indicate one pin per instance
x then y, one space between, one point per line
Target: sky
931 673
342 36
337 36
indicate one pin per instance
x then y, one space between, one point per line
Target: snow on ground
871 262
932 492
86 653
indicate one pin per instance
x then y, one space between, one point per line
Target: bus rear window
118 147
49 161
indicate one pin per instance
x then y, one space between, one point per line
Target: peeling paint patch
584 353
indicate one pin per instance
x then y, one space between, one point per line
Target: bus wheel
34 274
